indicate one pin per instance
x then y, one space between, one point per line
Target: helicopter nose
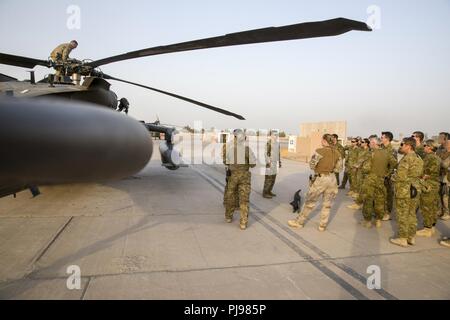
54 142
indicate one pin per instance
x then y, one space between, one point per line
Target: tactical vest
236 166
328 163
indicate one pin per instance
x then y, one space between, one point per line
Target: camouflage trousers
352 180
445 204
406 216
389 196
429 206
344 179
359 180
361 189
269 182
373 194
239 185
326 186
234 197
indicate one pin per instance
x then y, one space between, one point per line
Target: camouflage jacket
61 52
273 156
432 166
352 156
420 151
239 157
363 156
391 149
341 150
442 152
409 173
445 167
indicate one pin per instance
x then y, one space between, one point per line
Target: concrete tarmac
161 235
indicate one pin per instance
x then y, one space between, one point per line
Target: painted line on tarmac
317 264
348 270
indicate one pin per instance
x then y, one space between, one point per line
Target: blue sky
395 78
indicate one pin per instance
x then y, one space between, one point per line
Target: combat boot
295 224
411 241
267 196
445 217
228 220
445 242
366 224
402 242
378 223
272 194
355 206
355 195
425 232
243 226
386 217
322 228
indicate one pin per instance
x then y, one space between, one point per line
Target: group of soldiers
414 178
419 181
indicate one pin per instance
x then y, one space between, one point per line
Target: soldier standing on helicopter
60 55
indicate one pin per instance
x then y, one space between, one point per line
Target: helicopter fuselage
93 90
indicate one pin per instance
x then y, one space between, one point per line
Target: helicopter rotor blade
20 61
198 103
306 30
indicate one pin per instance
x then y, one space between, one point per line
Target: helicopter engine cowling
47 142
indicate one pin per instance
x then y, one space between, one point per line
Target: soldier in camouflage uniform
419 136
325 162
443 153
446 241
226 146
380 165
346 167
341 151
60 55
240 159
386 140
273 162
352 158
429 199
363 156
407 183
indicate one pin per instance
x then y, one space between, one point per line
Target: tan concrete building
311 136
338 127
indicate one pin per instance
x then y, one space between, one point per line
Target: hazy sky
396 78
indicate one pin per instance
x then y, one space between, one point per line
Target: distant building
310 137
338 127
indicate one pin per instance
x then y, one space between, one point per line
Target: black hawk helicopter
53 131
